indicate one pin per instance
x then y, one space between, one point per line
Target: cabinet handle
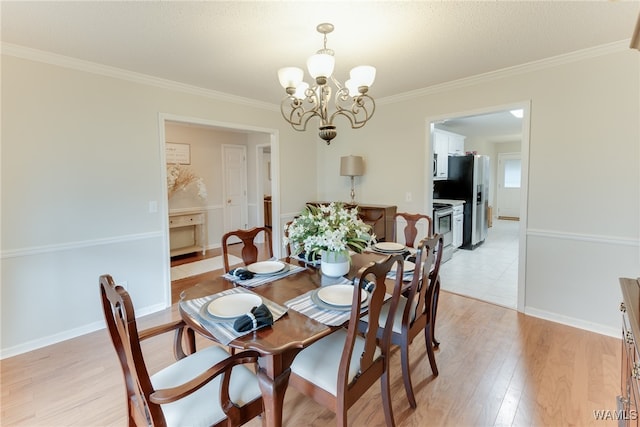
623 308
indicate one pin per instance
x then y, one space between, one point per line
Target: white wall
81 161
584 174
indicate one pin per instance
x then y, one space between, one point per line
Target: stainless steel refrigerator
468 180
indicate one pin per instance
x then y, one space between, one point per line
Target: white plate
389 246
339 294
266 267
233 305
408 266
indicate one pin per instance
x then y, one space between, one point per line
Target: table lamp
352 166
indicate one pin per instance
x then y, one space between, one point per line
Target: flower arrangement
179 177
331 228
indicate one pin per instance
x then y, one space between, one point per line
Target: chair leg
406 374
341 415
428 339
386 399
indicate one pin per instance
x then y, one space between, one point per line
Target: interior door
235 187
509 174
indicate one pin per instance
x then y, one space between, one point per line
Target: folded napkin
258 317
241 273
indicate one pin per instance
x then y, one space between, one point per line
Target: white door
235 187
509 173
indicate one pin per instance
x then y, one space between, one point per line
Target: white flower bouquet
331 228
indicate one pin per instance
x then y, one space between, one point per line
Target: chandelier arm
294 113
358 113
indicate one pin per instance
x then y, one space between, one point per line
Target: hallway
489 272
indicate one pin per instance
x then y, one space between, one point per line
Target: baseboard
573 322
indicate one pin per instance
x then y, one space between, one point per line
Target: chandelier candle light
351 99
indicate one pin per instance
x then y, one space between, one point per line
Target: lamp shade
363 75
351 166
321 65
290 76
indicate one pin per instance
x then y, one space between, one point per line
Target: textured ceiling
237 47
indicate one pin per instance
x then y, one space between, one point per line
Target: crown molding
554 61
92 67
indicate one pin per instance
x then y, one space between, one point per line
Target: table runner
223 331
262 280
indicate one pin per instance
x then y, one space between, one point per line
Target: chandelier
351 99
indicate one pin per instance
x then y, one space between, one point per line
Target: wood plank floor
497 368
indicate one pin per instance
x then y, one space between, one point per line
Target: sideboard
629 397
187 232
380 217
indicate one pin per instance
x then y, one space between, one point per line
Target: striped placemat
223 331
262 280
304 304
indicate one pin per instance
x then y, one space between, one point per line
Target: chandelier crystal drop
302 102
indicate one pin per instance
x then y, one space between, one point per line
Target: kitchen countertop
449 202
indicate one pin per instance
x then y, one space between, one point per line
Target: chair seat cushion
202 408
397 319
319 363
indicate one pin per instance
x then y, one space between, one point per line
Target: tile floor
489 272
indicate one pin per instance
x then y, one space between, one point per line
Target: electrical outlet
408 196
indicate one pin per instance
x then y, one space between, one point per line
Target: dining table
292 330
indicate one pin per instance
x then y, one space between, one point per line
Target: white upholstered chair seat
319 363
397 319
202 408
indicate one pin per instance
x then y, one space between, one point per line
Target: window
512 173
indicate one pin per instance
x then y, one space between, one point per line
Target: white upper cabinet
444 144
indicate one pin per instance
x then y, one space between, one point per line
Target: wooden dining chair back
250 252
338 369
413 315
412 222
198 389
436 243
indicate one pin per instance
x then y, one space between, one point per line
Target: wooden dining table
279 343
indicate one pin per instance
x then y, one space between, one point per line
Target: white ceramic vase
334 264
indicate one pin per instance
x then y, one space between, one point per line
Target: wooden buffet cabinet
380 217
629 398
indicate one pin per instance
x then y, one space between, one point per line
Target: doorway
245 138
481 129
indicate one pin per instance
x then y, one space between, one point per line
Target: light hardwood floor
497 368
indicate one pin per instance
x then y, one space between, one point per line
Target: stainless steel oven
443 224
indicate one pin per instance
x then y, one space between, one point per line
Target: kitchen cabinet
440 155
187 232
627 408
445 144
458 225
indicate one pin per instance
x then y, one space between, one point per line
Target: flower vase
334 263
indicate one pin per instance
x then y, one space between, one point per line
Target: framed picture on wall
178 153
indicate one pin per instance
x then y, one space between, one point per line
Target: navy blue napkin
241 273
258 317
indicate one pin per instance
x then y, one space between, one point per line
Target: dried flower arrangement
179 177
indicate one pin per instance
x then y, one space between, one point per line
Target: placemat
223 331
306 306
262 280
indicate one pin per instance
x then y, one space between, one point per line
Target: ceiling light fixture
351 99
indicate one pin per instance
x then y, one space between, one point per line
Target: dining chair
411 229
208 387
339 368
437 243
247 238
413 315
